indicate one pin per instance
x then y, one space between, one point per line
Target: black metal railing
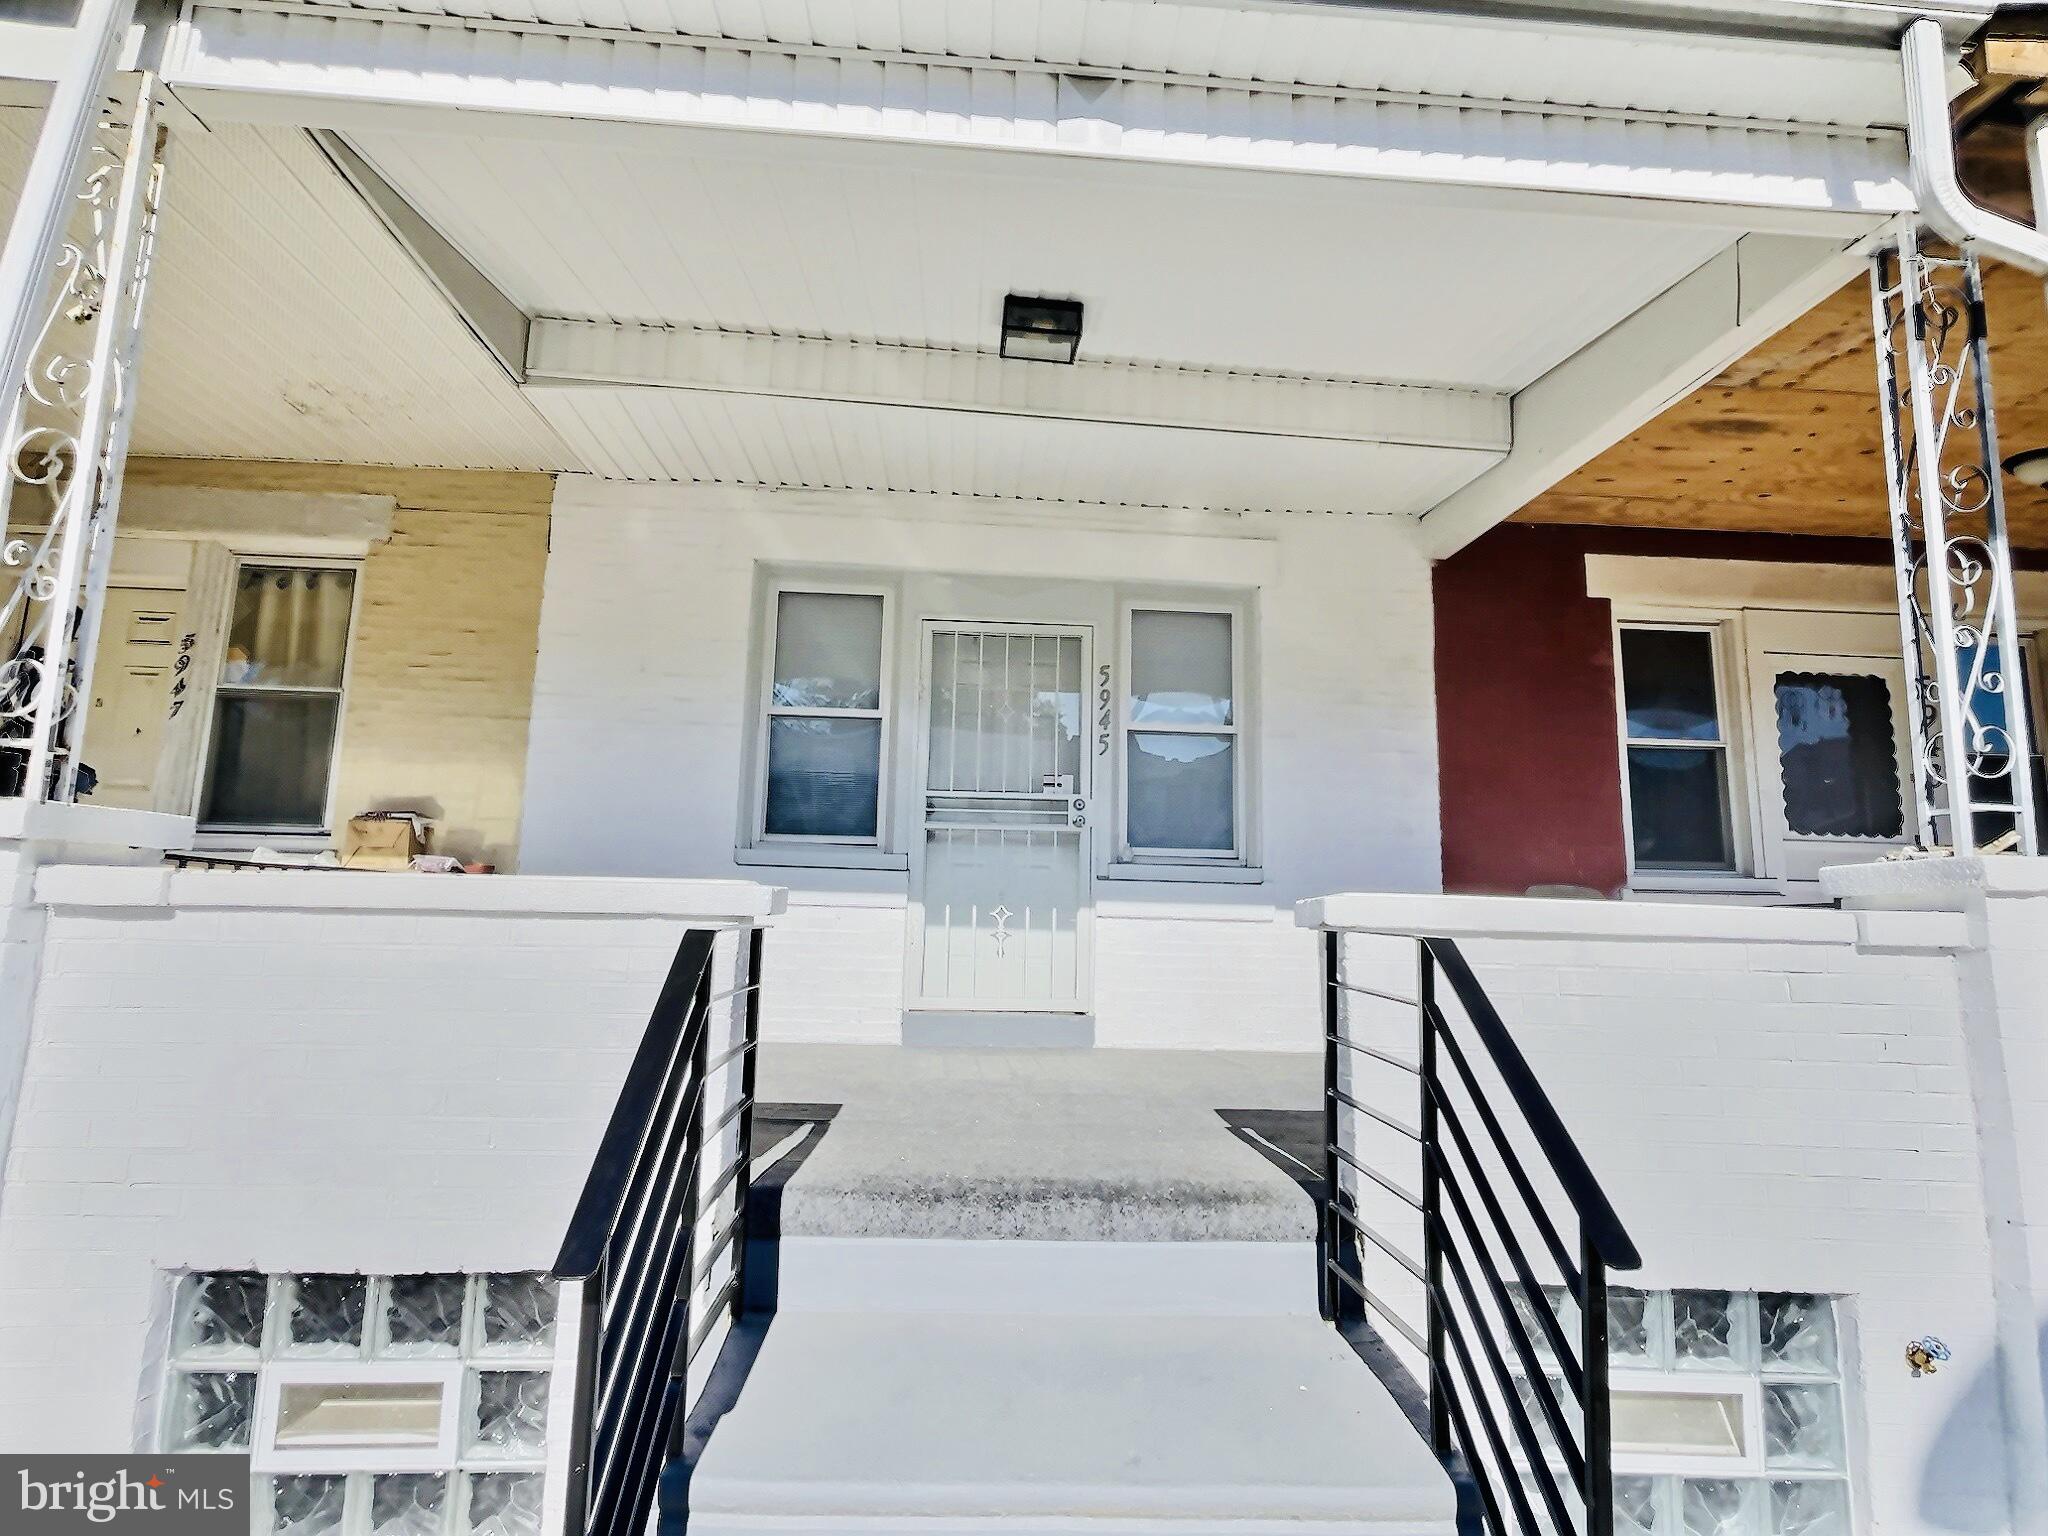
658 1240
1512 1394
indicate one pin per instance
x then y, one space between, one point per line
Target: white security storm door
131 694
1832 750
1002 869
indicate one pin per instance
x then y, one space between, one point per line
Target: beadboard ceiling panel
284 322
904 244
709 437
1571 60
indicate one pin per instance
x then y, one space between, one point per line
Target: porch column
72 328
2001 971
68 409
1972 780
44 212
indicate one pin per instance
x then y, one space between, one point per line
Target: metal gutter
1931 153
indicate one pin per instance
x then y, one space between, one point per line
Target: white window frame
368 1456
213 834
766 846
1748 1388
1191 863
1724 630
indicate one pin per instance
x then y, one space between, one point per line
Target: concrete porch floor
1062 1145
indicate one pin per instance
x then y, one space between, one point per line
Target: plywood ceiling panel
1787 440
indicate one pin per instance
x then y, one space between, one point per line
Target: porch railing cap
1431 916
707 903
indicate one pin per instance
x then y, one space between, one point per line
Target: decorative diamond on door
1003 877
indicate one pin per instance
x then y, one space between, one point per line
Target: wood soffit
1787 439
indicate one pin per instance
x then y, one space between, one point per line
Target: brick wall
1791 1115
353 1091
441 670
645 635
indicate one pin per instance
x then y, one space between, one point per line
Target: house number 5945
1102 710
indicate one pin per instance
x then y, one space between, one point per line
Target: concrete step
1212 1279
1029 1424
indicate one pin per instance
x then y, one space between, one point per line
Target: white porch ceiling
914 245
741 439
284 322
796 220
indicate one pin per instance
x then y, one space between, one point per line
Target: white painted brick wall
645 630
366 1091
1771 1117
292 1090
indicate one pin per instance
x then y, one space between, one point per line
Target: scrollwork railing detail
65 441
1968 718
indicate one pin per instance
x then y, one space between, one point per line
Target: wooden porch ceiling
1787 439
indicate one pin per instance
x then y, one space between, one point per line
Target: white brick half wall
355 1088
1773 1100
645 636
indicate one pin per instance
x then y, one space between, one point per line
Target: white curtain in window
290 628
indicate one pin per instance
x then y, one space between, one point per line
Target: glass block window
451 1373
1728 1412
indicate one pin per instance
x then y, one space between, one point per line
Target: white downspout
1931 149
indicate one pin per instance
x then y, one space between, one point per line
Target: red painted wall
1530 764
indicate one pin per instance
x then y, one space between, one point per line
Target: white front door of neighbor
131 694
1000 894
1836 785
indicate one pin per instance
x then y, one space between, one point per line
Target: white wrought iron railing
67 416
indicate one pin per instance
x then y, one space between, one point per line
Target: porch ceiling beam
491 316
349 71
597 354
1664 351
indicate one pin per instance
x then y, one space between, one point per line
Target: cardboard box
383 840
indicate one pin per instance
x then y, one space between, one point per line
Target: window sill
820 856
1192 874
223 841
1659 885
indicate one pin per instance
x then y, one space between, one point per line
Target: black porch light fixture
1041 330
2029 468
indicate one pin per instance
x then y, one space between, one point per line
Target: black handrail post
693 1190
1497 1320
744 1180
1331 1293
583 1407
1432 1202
1599 1425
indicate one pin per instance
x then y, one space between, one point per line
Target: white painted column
2002 984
